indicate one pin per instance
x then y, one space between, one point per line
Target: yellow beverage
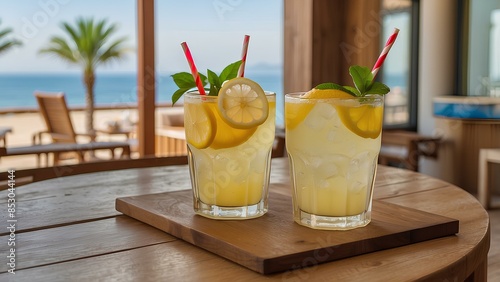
333 158
230 167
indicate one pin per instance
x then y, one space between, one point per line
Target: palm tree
6 43
88 46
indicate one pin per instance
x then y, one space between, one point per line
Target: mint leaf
330 85
177 94
214 91
353 90
184 80
362 78
230 72
215 83
378 88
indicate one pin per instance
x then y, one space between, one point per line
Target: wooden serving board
274 242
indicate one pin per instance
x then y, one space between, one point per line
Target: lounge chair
55 113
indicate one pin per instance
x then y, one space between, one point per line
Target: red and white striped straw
384 53
241 71
194 71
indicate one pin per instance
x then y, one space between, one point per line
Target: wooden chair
403 148
487 156
55 113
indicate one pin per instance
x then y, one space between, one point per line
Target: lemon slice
365 120
243 103
201 125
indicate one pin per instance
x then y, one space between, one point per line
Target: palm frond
114 50
5 32
7 43
72 32
88 43
60 47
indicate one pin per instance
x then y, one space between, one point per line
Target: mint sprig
363 83
185 80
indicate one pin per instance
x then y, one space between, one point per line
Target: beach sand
24 125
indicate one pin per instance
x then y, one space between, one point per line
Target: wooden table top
67 229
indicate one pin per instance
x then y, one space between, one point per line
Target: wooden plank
78 241
328 31
361 41
298 26
62 201
39 174
173 261
146 81
273 242
402 188
179 261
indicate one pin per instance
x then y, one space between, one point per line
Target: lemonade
333 139
229 161
333 167
230 127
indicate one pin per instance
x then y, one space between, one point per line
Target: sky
213 29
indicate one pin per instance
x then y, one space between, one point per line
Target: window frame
412 123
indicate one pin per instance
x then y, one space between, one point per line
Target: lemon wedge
326 94
295 113
201 126
227 136
365 120
243 103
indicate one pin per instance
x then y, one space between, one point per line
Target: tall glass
230 177
333 159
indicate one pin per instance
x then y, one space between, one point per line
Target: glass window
214 31
483 47
400 68
495 53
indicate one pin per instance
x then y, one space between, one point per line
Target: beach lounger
55 113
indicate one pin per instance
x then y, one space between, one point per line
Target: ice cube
356 186
320 116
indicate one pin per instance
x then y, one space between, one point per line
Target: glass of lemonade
333 146
229 162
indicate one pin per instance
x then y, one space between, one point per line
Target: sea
16 90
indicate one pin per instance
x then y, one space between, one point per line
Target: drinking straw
241 71
384 53
194 71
